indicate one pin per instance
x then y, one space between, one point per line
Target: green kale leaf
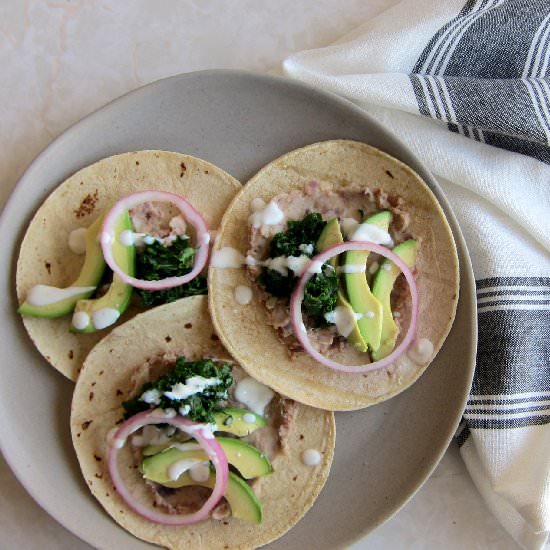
287 243
150 298
277 284
322 289
158 261
306 231
321 293
201 405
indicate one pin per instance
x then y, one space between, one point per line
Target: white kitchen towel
466 85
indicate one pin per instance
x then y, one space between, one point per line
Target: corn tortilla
244 329
185 325
45 258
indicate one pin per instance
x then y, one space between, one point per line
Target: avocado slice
90 275
330 236
118 296
382 286
232 421
150 450
228 420
240 496
247 459
359 294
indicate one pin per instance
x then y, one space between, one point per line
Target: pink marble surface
60 60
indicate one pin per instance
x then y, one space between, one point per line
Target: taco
68 297
168 364
334 276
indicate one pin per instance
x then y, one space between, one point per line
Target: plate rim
465 264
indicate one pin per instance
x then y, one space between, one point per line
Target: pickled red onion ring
297 297
107 237
198 431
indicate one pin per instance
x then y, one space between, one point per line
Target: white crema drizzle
253 394
200 472
179 467
344 319
227 257
243 294
80 320
348 226
421 351
311 457
127 237
372 233
77 240
230 258
193 385
105 317
249 418
351 268
43 295
268 215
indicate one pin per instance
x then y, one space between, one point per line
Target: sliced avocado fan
90 275
382 287
359 293
117 298
330 236
244 457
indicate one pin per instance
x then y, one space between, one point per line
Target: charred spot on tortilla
87 205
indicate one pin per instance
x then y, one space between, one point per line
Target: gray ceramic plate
240 122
